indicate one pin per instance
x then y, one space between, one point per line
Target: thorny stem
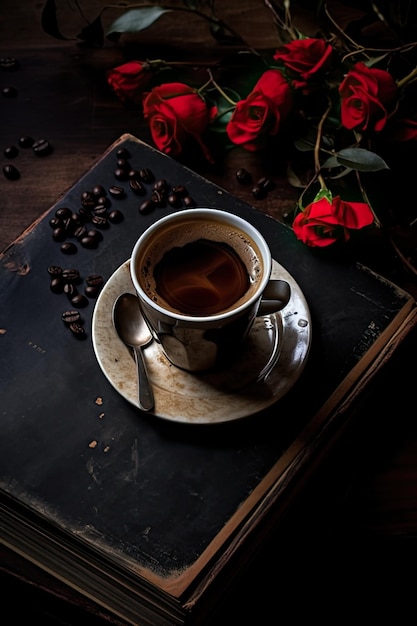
407 79
286 24
365 197
318 142
217 86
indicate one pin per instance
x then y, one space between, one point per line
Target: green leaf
135 20
330 163
49 21
303 144
361 160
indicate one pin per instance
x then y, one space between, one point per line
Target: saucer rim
260 392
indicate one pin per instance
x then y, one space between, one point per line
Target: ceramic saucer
269 363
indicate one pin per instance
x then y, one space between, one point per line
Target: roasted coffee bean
55 271
95 234
70 290
158 198
91 291
146 207
243 176
56 285
72 223
55 222
89 242
161 185
71 316
9 92
121 173
80 232
79 301
180 190
88 199
115 216
100 209
10 152
63 213
259 192
123 153
100 222
69 247
42 147
11 172
98 191
146 175
85 214
9 64
266 183
136 186
77 330
26 141
104 201
59 234
188 202
117 192
123 164
71 275
95 280
174 200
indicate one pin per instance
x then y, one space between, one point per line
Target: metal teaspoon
134 332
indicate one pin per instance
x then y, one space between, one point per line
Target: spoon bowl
132 329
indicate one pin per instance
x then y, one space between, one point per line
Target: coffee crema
201 278
202 247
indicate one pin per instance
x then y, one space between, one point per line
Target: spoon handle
145 395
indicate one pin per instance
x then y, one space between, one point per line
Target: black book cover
137 512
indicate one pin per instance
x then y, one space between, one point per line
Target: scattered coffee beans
146 207
71 316
68 247
9 92
117 192
243 176
77 330
26 141
11 172
9 64
10 152
41 147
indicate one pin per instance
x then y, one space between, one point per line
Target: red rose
324 222
176 113
129 79
304 58
367 95
259 116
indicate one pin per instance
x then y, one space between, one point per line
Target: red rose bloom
176 113
304 58
367 95
129 79
259 116
324 222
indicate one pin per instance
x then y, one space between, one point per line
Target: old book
147 514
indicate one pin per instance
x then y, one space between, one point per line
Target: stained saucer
270 362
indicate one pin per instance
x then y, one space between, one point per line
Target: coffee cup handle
275 297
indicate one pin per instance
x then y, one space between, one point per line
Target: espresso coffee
201 278
199 267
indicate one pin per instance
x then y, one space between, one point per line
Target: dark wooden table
367 490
